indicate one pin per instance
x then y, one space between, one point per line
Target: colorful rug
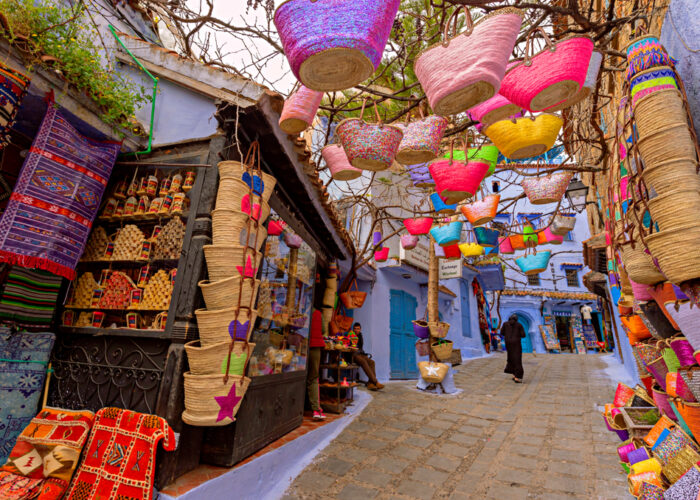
29 298
23 360
13 88
120 458
47 452
50 212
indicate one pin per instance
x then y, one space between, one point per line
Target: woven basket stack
216 382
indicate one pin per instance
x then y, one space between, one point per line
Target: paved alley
496 439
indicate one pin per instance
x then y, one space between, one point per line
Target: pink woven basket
467 69
504 246
551 238
494 109
334 44
338 163
641 291
300 110
482 211
588 85
418 226
421 140
409 241
455 181
369 146
547 189
551 76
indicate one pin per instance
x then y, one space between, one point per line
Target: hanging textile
29 298
42 462
58 192
13 88
120 459
23 360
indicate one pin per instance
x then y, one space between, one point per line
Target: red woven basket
418 226
455 181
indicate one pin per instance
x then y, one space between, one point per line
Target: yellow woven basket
525 137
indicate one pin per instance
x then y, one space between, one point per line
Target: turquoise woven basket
447 235
486 237
534 264
440 206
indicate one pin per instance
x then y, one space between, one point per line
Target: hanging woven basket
334 44
495 109
639 265
645 52
525 137
369 146
549 237
588 84
442 349
455 181
466 69
677 252
421 140
338 163
438 329
448 234
212 360
300 110
656 112
482 211
409 241
563 224
505 247
418 226
449 252
650 81
439 205
420 175
248 171
225 261
223 293
547 189
673 137
670 174
203 397
534 264
664 208
381 255
549 77
486 237
471 249
230 227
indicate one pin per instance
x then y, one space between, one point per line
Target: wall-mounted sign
450 269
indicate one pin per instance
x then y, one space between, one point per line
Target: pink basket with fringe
334 44
300 110
547 189
482 211
494 109
338 163
421 140
551 76
369 146
455 181
467 69
409 241
419 225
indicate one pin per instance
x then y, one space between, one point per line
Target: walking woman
512 331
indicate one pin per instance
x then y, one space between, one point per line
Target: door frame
528 323
407 350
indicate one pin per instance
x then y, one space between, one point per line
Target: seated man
364 360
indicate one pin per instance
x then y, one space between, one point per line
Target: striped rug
29 298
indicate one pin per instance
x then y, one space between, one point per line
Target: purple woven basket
421 329
658 370
683 350
420 175
334 44
661 400
637 455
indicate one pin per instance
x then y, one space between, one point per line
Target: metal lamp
576 193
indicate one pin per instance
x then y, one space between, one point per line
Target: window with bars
572 278
533 280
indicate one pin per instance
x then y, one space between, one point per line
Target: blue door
526 342
466 320
402 341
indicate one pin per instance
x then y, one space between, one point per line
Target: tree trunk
433 283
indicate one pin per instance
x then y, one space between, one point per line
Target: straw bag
369 146
422 348
534 264
691 377
471 249
657 319
338 163
650 81
664 208
588 86
639 265
684 351
550 237
236 195
420 175
482 211
433 373
340 323
232 228
448 234
547 189
636 481
353 299
212 360
381 255
334 44
210 401
525 137
449 252
658 369
249 171
233 260
505 247
421 139
658 111
442 349
623 394
227 292
661 401
686 488
299 110
484 152
645 52
439 205
438 329
551 76
677 252
409 241
655 432
421 328
467 69
495 109
418 226
563 224
224 324
454 180
687 317
487 237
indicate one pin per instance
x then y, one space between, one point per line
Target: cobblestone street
496 439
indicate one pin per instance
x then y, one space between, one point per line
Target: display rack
335 396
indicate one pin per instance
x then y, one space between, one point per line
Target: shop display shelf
338 386
115 310
117 332
138 219
337 366
127 263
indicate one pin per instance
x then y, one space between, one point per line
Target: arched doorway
527 341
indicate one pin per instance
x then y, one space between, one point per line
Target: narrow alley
495 439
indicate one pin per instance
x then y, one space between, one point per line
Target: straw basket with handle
231 227
433 373
338 163
299 110
249 171
562 224
550 77
369 146
482 211
534 264
588 86
442 349
334 44
212 359
353 299
421 139
224 324
225 261
439 329
547 189
455 181
466 69
525 137
226 292
645 52
495 109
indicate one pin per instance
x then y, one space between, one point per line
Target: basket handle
453 18
529 46
376 111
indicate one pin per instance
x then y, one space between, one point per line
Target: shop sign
418 257
450 269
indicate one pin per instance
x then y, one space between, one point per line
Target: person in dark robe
512 332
